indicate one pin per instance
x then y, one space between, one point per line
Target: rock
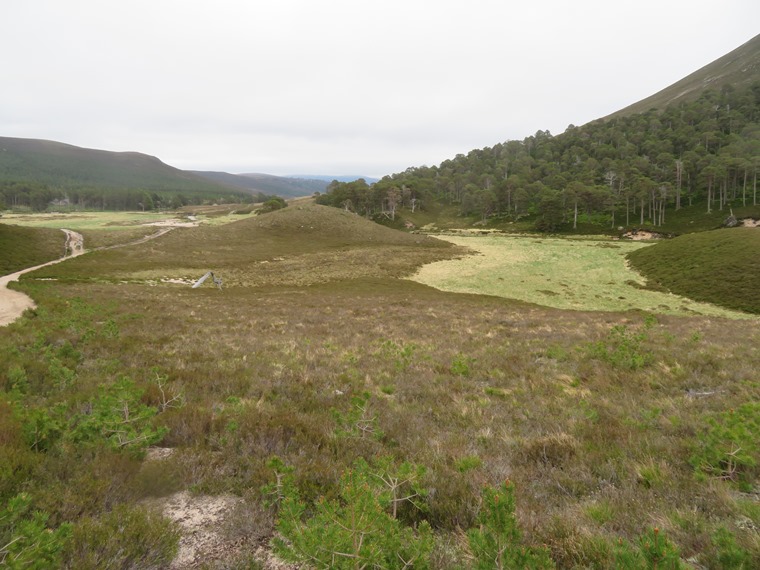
731 222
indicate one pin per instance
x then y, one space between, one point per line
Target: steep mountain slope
66 166
677 168
736 69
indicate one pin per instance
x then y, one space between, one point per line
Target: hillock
295 245
721 267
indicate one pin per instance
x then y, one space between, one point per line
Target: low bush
26 541
497 542
356 531
730 446
128 538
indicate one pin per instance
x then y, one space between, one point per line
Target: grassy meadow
84 220
106 229
629 438
580 274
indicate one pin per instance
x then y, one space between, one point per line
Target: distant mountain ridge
339 178
71 169
737 68
293 186
286 187
68 167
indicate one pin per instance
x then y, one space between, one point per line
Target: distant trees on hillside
623 171
39 197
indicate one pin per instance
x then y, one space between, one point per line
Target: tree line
40 197
622 171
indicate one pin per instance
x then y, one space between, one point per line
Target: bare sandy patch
205 540
200 518
641 235
175 223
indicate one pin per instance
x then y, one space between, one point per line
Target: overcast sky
340 87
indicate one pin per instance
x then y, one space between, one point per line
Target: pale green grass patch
555 272
88 220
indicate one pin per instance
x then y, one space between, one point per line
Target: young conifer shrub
356 531
497 543
653 551
730 446
25 539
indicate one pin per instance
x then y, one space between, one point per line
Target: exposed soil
201 520
176 223
641 235
205 542
750 223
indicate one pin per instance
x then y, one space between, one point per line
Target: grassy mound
26 247
721 267
296 246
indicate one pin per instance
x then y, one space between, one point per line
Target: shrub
460 366
652 552
729 554
359 421
126 538
118 417
273 204
355 531
623 348
25 540
497 542
730 447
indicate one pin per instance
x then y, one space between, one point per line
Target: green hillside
721 267
735 70
22 247
674 171
34 172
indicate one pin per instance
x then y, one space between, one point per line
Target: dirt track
13 303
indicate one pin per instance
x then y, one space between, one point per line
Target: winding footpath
14 303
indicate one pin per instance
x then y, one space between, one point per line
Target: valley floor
578 274
608 424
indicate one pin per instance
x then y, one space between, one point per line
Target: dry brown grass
478 389
297 245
